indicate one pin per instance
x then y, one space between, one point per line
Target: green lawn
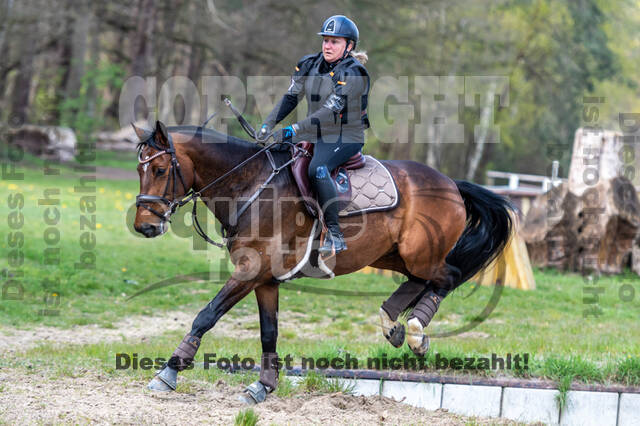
548 323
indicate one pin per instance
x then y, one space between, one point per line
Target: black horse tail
489 226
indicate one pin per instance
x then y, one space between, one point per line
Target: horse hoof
423 348
392 330
396 335
164 381
417 340
253 394
246 399
158 385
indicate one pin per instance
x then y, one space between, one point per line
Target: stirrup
329 246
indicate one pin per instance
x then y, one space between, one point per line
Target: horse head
166 175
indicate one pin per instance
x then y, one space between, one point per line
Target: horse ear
142 134
162 136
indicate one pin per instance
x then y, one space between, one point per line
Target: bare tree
81 20
485 116
27 36
142 38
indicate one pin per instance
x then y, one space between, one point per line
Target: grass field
548 323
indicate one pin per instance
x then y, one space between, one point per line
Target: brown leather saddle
340 178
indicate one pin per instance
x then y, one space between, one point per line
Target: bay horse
440 234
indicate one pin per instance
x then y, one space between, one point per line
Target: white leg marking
414 333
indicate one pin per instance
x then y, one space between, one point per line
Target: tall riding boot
328 197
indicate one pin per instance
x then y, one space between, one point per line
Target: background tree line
64 61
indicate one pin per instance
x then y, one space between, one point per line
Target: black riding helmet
340 26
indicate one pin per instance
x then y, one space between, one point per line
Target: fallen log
47 142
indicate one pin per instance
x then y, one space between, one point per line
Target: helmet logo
331 26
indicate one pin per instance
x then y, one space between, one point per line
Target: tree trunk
81 21
5 21
112 109
94 54
434 147
196 62
485 116
27 36
165 49
141 43
64 47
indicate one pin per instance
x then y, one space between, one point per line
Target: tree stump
591 223
599 157
549 228
593 231
608 223
635 255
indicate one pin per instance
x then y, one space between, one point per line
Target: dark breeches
326 158
331 155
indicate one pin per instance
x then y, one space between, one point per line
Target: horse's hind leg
426 308
405 296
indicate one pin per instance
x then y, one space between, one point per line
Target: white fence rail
527 181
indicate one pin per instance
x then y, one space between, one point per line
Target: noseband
142 200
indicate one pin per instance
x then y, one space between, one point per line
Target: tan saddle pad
372 189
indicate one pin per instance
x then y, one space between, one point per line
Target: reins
174 204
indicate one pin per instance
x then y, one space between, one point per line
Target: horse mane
204 135
211 141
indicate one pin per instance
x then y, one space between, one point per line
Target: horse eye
160 172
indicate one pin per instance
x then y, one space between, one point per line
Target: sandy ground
34 396
39 398
142 328
135 328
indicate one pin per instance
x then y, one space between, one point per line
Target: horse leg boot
401 299
420 317
182 358
427 306
256 392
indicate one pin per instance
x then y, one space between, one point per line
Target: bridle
142 200
172 205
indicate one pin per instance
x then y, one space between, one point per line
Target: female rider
336 86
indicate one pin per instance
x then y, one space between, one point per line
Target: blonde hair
360 56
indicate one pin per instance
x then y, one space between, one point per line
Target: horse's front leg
267 297
231 293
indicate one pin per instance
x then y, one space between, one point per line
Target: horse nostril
148 230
